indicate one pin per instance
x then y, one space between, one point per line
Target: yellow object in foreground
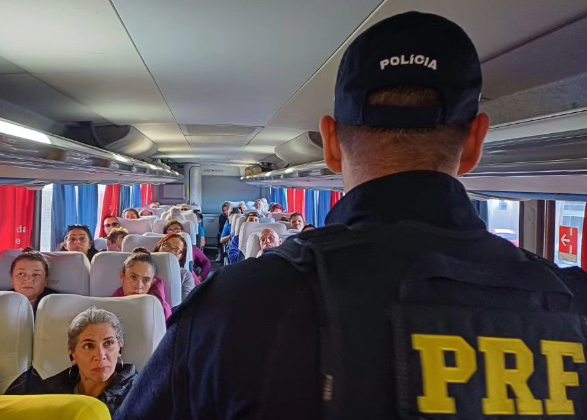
52 407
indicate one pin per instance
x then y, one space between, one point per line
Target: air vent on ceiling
305 148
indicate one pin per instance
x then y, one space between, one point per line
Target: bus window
46 222
568 233
503 219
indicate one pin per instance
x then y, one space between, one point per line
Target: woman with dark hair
138 278
200 260
30 276
130 214
79 238
146 212
175 244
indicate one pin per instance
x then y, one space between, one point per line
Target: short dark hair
296 214
29 254
171 223
433 148
139 255
132 211
116 233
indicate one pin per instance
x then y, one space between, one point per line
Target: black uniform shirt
245 344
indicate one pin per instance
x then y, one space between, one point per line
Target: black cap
416 49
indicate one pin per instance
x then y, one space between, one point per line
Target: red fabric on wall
291 201
147 194
335 198
300 206
110 205
16 217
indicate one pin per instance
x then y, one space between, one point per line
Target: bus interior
113 104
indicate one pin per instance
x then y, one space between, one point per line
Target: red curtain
17 217
291 201
335 198
110 205
583 261
300 206
147 194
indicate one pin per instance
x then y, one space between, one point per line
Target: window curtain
124 197
274 195
311 207
147 194
17 216
291 200
335 198
300 206
324 198
136 200
63 213
87 206
110 205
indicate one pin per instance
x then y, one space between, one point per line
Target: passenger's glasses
114 225
168 248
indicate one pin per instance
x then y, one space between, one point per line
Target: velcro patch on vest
466 363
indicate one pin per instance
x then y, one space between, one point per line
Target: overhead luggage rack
36 158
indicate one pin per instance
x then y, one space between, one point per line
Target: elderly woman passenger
94 341
30 276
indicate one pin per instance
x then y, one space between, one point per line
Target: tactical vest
421 322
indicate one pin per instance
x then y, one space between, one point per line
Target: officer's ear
332 155
473 149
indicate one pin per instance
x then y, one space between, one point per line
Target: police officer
404 306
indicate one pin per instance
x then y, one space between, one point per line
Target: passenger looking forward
130 214
259 206
138 278
115 238
78 238
109 223
234 254
268 239
30 276
296 222
94 342
242 206
145 212
175 244
202 264
276 208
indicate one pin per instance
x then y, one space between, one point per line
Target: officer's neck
354 175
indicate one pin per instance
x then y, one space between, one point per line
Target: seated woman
138 278
115 238
176 245
201 262
79 238
145 212
30 276
130 214
94 341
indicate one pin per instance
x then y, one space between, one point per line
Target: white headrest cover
190 215
139 226
133 241
266 220
188 226
253 245
250 227
237 225
106 268
158 212
150 218
286 224
164 215
279 216
69 272
100 243
16 337
141 316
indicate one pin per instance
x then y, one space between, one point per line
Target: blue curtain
136 198
124 197
87 206
311 207
273 195
323 207
63 212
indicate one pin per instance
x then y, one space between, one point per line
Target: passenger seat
138 226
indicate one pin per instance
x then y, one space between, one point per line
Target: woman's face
110 223
137 279
78 240
29 278
175 228
146 213
174 246
130 215
297 223
96 352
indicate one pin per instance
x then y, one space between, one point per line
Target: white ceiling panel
234 61
81 48
162 133
495 26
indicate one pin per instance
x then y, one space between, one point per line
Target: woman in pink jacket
138 278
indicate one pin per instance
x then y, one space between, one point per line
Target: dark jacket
65 382
221 221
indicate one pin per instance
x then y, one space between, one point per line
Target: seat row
153 224
42 343
71 272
